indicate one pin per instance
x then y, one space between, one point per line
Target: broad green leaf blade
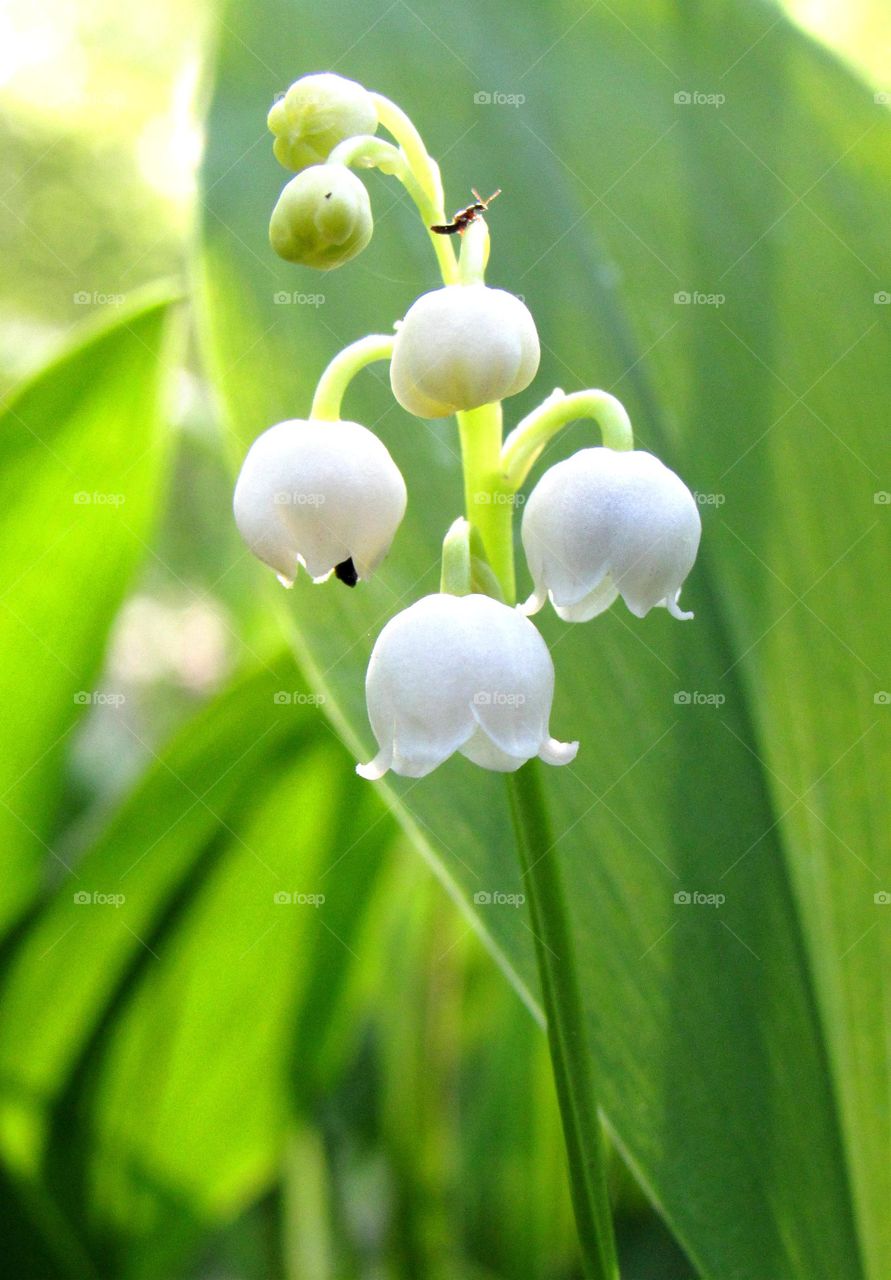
774 402
155 1102
81 457
741 1045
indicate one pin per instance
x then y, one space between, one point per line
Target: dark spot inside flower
346 572
327 195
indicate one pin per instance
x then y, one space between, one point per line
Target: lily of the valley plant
463 670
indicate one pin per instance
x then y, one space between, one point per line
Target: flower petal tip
533 605
677 612
554 752
369 772
376 768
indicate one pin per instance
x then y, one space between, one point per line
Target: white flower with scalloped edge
460 673
325 495
605 523
461 347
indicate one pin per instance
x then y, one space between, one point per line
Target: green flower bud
315 114
322 219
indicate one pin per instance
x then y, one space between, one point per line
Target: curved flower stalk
604 524
464 671
325 495
460 673
531 435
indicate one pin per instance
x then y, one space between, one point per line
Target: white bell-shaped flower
606 523
460 673
461 347
326 495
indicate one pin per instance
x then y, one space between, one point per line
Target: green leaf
81 457
183 990
741 1046
469 1176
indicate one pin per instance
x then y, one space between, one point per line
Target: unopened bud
317 113
322 219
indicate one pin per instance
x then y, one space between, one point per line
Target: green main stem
487 499
570 1055
491 478
489 496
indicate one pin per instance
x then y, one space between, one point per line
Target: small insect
464 217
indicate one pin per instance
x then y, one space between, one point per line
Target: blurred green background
203 1074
